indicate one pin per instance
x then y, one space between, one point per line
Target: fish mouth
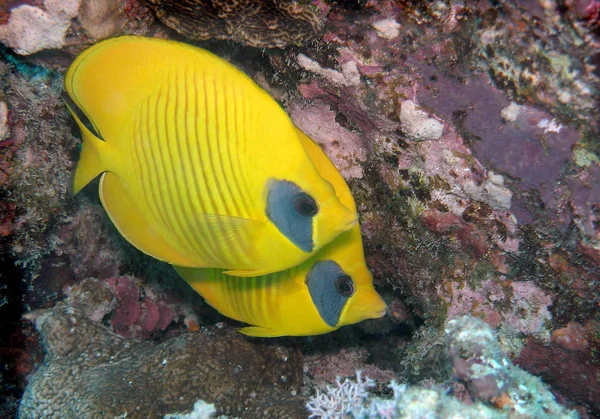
351 223
380 313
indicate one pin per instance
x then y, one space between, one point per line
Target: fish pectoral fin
134 225
260 332
240 234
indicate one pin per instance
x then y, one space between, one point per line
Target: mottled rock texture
264 23
90 372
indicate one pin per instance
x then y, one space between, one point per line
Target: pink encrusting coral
132 308
138 315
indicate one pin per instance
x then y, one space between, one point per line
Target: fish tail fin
90 163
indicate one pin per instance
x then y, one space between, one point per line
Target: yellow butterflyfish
332 289
200 166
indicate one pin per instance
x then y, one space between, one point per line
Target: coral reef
575 375
468 134
3 121
265 23
417 125
490 376
36 159
88 371
131 308
526 59
202 410
343 146
485 213
496 387
343 363
351 399
32 29
101 19
29 27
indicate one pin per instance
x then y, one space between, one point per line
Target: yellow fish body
332 289
200 167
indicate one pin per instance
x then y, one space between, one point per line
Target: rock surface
263 23
90 372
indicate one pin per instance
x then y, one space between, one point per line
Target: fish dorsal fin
134 225
260 332
236 237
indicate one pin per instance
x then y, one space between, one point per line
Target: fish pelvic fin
260 332
90 163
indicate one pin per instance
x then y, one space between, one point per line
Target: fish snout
348 219
379 314
351 223
369 305
378 308
334 220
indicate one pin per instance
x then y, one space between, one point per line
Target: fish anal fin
260 332
135 226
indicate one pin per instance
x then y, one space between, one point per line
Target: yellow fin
89 165
260 332
133 225
191 275
327 169
195 278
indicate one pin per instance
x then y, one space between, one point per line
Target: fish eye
344 285
305 205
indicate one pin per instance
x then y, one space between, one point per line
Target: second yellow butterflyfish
200 166
332 289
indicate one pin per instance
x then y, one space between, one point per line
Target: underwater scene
300 209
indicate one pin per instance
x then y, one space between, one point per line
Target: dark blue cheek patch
320 281
280 210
